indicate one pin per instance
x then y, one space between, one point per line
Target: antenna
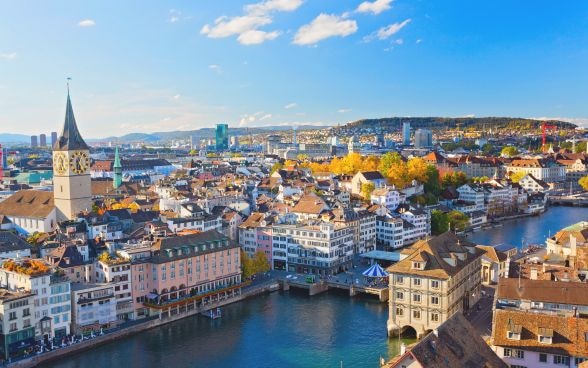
67 83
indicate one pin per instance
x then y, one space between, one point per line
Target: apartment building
540 323
51 295
434 279
94 306
317 248
17 329
116 271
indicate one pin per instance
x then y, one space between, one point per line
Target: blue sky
145 66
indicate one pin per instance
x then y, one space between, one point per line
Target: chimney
436 332
402 349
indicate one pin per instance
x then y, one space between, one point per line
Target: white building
117 272
94 306
323 249
52 312
387 197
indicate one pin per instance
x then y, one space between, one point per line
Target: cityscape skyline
172 67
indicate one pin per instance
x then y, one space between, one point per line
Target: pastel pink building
184 272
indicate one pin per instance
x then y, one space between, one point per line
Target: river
290 329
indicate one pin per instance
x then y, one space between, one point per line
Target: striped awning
375 271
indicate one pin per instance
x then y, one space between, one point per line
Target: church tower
71 170
117 168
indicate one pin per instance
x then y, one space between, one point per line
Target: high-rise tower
117 168
71 170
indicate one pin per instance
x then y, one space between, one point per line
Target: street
480 315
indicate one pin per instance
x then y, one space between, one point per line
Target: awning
375 271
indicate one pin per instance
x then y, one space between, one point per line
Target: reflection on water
282 329
531 230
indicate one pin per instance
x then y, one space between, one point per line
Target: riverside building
434 279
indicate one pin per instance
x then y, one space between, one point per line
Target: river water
290 329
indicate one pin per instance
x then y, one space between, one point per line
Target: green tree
367 189
104 257
458 220
509 151
432 186
260 262
193 152
439 222
387 161
584 182
487 149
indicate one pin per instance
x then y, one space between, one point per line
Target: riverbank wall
140 326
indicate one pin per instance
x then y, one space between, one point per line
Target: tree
193 152
104 257
458 220
432 185
352 163
509 151
584 182
302 157
388 160
367 189
247 265
398 175
487 149
370 163
417 169
439 222
277 166
260 262
517 176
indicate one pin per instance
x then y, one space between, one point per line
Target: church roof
70 138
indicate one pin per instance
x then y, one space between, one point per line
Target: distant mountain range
8 138
494 123
198 133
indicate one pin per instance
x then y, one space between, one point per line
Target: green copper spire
117 168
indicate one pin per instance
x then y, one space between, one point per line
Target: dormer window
418 265
545 335
513 331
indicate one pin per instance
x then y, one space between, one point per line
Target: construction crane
544 128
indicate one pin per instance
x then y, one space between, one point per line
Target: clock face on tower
79 162
60 163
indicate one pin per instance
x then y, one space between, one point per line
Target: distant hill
199 133
8 138
495 123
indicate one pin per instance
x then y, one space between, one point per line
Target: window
580 360
399 311
435 317
513 335
12 316
416 314
435 300
399 280
416 282
399 295
520 354
561 359
507 352
545 339
416 298
435 284
543 357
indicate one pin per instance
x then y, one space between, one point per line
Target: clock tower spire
71 169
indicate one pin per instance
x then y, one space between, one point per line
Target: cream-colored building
434 279
71 170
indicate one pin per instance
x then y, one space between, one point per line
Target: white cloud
322 27
177 97
291 105
399 41
251 118
216 68
246 26
255 37
87 23
418 41
8 56
385 32
225 27
375 7
265 117
267 6
343 111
